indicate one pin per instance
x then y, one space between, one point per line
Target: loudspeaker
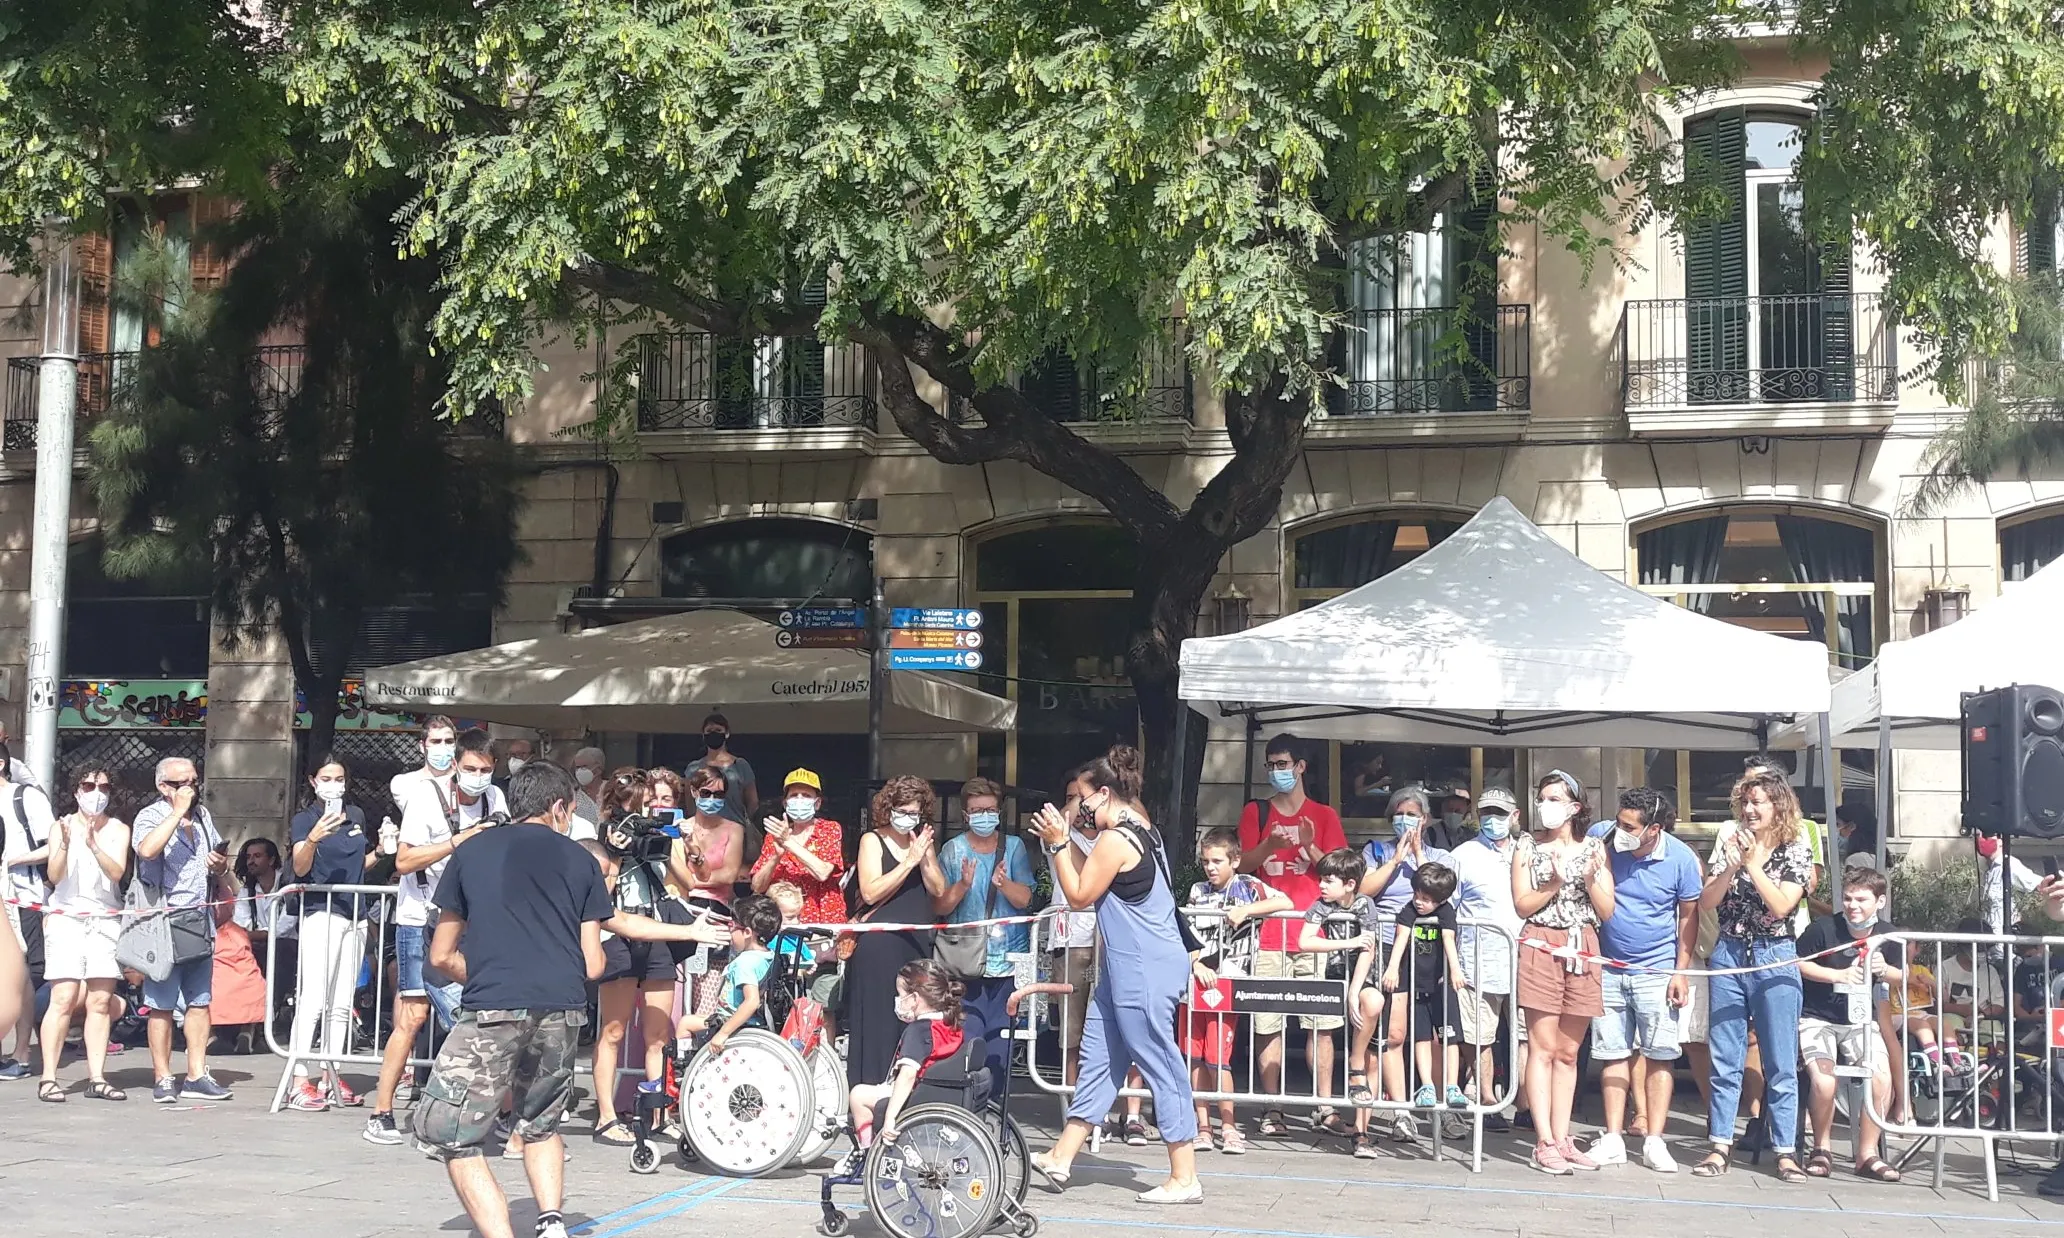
2013 740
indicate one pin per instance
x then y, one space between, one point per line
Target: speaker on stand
2013 765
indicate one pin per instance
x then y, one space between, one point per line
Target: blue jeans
414 977
983 1004
191 984
1768 1001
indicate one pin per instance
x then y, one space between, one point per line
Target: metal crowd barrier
1274 986
1980 1045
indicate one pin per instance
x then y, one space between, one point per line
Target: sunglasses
90 785
181 784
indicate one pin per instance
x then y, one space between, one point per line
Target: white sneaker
1655 1153
1608 1149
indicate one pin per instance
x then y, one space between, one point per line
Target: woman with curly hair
899 878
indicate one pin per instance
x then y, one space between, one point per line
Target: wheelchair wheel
828 1085
1017 1161
748 1109
644 1159
942 1178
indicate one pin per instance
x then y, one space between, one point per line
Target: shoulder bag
964 951
146 940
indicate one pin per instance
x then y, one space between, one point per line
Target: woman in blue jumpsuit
1145 972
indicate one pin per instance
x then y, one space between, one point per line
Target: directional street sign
819 617
933 638
965 619
935 659
822 638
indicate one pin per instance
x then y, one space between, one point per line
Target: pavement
232 1170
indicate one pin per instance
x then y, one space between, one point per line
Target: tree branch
616 282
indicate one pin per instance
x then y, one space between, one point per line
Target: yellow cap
803 778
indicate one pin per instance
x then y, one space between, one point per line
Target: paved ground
231 1171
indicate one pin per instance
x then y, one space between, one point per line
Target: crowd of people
1581 925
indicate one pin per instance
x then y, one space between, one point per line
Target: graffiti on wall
182 704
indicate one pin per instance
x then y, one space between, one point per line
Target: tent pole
1247 763
877 681
1884 785
1829 782
1179 747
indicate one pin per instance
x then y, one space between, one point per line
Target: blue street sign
818 617
965 619
935 659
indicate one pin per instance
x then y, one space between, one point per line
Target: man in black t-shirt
1838 1023
522 909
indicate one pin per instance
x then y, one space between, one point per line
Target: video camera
643 836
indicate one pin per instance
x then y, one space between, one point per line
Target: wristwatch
1057 848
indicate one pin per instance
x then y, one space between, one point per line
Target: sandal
1330 1123
1358 1094
101 1089
50 1090
1713 1166
1788 1169
616 1133
1056 1177
1272 1123
1820 1163
1876 1170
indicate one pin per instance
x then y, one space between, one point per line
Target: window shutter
731 382
96 254
1838 320
1716 260
1054 383
2039 238
207 262
1475 250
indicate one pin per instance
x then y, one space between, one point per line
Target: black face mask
714 740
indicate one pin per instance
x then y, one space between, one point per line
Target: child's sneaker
1365 1147
1423 1098
1455 1098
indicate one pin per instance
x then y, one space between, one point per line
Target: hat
1498 798
803 778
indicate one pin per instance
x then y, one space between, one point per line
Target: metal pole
877 679
1884 782
56 398
1180 773
1830 782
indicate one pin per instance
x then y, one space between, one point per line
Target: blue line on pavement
721 1188
588 1226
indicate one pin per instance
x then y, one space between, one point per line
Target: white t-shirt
403 784
424 824
25 884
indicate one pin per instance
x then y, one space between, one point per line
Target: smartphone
222 848
2050 865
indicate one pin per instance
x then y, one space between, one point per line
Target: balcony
275 373
1758 365
694 381
1434 360
1162 400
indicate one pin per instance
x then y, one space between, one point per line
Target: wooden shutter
1716 260
2039 238
207 261
1054 383
96 255
1475 253
1837 321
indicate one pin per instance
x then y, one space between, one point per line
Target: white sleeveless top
86 886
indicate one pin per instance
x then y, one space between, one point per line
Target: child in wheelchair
755 922
928 1001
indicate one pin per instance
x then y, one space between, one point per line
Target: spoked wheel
748 1109
942 1178
828 1085
1017 1163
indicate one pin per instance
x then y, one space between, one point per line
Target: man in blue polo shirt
1656 884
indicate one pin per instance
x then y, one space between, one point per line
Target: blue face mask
709 805
1495 826
1283 780
984 823
1404 824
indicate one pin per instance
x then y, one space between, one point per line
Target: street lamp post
56 400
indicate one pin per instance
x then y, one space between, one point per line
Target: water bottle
390 836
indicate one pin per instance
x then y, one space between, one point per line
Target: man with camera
179 852
442 815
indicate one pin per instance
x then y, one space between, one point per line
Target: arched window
774 558
1329 560
2028 546
1057 617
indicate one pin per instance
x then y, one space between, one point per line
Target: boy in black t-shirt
1342 925
1838 997
1426 927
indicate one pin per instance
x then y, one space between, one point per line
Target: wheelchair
958 1167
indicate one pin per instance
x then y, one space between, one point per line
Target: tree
317 479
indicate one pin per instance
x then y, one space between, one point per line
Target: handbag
964 950
193 933
146 941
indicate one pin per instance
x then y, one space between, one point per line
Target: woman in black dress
899 877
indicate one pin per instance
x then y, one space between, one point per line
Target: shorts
1693 1020
77 948
1434 1017
1840 1043
527 1054
189 986
1479 1015
413 975
825 989
1271 965
645 961
1638 1018
1079 966
1545 984
1208 1039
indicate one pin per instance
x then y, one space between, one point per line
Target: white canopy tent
659 674
1499 635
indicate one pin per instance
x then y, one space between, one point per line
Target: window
154 628
2028 546
1057 603
769 558
1327 562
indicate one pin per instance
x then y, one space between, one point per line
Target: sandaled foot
1272 1123
1358 1093
1876 1170
616 1133
1331 1123
1713 1166
1056 1175
1788 1169
50 1090
1820 1163
101 1089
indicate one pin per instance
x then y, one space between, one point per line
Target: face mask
1086 815
93 803
1283 780
475 784
441 757
984 823
1862 928
710 805
1988 847
1404 824
584 776
1623 841
906 1008
329 791
903 823
714 740
801 807
1453 820
1551 814
516 764
1494 826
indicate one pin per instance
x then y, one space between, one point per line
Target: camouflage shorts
525 1055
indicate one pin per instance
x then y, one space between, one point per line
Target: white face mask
1623 841
906 1008
904 823
329 790
475 784
1551 814
441 756
801 807
584 776
516 764
93 803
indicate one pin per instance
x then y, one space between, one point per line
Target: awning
662 675
1499 635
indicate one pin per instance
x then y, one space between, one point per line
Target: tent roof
662 674
1918 682
1500 632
